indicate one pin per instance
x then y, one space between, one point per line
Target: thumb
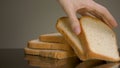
75 25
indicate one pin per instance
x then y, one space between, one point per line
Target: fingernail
77 30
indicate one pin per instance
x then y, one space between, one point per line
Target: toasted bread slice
96 40
58 54
36 44
52 38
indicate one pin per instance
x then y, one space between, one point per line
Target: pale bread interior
101 39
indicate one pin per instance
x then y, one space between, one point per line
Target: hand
86 7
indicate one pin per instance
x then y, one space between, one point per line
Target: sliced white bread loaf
36 44
96 40
52 37
57 54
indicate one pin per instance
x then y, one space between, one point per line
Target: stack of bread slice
50 45
96 40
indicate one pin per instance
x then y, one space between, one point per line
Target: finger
104 14
101 18
70 10
92 14
74 23
85 13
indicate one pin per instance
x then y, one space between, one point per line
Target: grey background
24 20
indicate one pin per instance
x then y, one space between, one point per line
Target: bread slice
96 40
52 37
36 44
57 54
64 28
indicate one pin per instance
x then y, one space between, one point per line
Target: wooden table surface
15 58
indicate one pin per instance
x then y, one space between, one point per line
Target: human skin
86 7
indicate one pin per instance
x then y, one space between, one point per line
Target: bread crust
82 37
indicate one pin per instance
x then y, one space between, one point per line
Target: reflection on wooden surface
109 65
97 64
72 62
90 64
42 62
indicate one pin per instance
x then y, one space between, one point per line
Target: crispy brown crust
76 50
90 53
84 43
